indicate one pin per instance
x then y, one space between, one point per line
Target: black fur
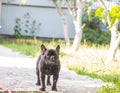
48 63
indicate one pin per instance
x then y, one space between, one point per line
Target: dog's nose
52 58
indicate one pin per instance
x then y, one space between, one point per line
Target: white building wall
31 2
51 24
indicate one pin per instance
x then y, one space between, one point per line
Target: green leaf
114 14
115 11
99 11
118 85
102 14
112 21
103 17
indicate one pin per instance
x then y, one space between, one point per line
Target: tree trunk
115 38
65 29
77 37
64 22
115 41
78 27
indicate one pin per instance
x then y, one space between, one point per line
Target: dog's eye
55 57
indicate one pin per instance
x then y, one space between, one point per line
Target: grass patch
30 49
111 76
106 76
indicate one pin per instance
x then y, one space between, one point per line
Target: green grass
30 48
110 76
106 76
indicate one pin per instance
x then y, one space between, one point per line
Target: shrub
26 26
93 31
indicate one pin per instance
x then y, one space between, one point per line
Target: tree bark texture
64 21
115 41
75 10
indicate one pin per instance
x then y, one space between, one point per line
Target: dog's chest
49 70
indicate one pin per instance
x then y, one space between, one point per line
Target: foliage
26 26
96 37
92 31
17 28
102 14
114 14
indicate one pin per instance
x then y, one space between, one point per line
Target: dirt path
18 73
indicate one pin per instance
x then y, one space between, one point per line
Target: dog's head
51 55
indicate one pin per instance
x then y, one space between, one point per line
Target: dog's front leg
37 70
42 77
55 78
38 79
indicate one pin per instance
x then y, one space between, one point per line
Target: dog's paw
38 84
54 89
42 89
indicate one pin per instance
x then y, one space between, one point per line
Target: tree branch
57 7
83 25
108 17
72 9
103 4
69 7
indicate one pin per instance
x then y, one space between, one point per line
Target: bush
26 26
93 32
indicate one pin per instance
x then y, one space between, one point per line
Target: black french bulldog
48 63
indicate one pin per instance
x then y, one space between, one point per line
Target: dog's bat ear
58 48
43 49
